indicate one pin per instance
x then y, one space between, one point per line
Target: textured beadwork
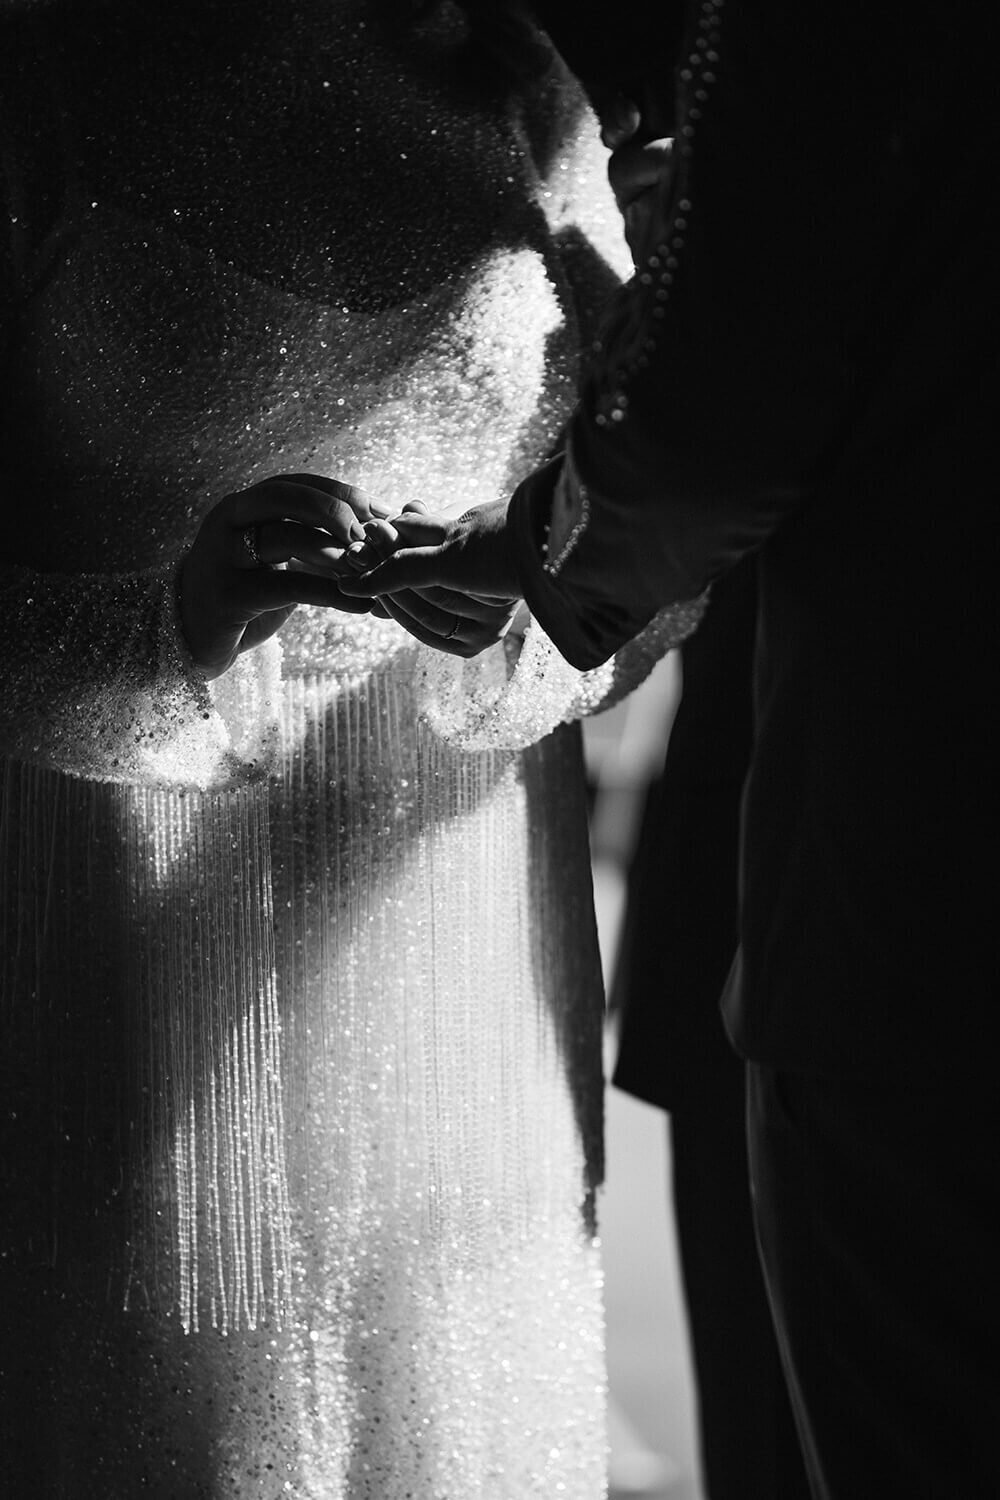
480 705
302 1008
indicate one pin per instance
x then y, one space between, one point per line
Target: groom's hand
449 580
637 170
470 553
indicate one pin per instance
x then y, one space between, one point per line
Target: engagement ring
250 543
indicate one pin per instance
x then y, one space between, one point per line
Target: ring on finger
251 537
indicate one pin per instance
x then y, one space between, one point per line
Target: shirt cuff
529 517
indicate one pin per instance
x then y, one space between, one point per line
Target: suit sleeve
738 363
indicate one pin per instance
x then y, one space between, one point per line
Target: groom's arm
822 301
812 251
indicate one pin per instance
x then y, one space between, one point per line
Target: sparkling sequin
479 705
302 1008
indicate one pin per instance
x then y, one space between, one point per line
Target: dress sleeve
797 249
96 681
95 676
515 694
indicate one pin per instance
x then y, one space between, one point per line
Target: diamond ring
250 543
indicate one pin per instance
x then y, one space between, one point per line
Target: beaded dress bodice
328 260
302 1002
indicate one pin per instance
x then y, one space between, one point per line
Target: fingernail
357 530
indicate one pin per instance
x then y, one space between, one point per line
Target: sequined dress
302 1010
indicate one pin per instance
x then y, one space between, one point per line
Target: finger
464 637
328 568
380 542
452 645
364 505
381 537
288 541
420 529
417 567
263 589
279 499
416 508
442 621
264 626
361 558
468 606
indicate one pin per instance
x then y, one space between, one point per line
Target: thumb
419 529
416 567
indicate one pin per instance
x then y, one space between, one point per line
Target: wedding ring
250 543
454 629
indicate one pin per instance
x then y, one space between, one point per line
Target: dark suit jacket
821 386
682 922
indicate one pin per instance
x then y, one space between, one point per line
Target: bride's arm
95 677
105 674
108 675
95 680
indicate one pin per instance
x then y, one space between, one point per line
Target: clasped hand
305 539
438 575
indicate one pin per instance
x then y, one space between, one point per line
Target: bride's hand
234 591
449 619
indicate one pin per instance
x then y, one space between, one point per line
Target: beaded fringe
199 880
422 893
404 894
143 1042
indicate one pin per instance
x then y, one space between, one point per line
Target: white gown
302 1005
